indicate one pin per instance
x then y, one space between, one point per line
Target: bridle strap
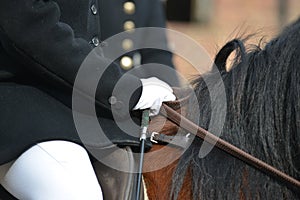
189 126
178 140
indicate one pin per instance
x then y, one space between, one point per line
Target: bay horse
263 118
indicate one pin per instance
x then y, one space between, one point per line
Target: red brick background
231 18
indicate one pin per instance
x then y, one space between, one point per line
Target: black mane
263 119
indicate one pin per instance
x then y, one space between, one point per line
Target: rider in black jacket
43 43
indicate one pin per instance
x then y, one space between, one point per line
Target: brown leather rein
189 126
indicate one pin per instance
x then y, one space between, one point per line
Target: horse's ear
226 50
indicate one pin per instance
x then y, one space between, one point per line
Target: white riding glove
154 93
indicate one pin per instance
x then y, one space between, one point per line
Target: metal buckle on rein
153 134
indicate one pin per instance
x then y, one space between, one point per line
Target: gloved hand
154 93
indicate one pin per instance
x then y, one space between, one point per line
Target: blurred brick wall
231 18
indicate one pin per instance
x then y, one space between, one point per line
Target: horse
262 89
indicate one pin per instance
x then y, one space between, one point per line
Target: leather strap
178 140
189 126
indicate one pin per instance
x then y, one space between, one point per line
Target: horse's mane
263 118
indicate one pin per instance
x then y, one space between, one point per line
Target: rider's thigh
52 170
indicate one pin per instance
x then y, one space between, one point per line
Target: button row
95 40
129 8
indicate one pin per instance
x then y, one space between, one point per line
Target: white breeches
53 170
